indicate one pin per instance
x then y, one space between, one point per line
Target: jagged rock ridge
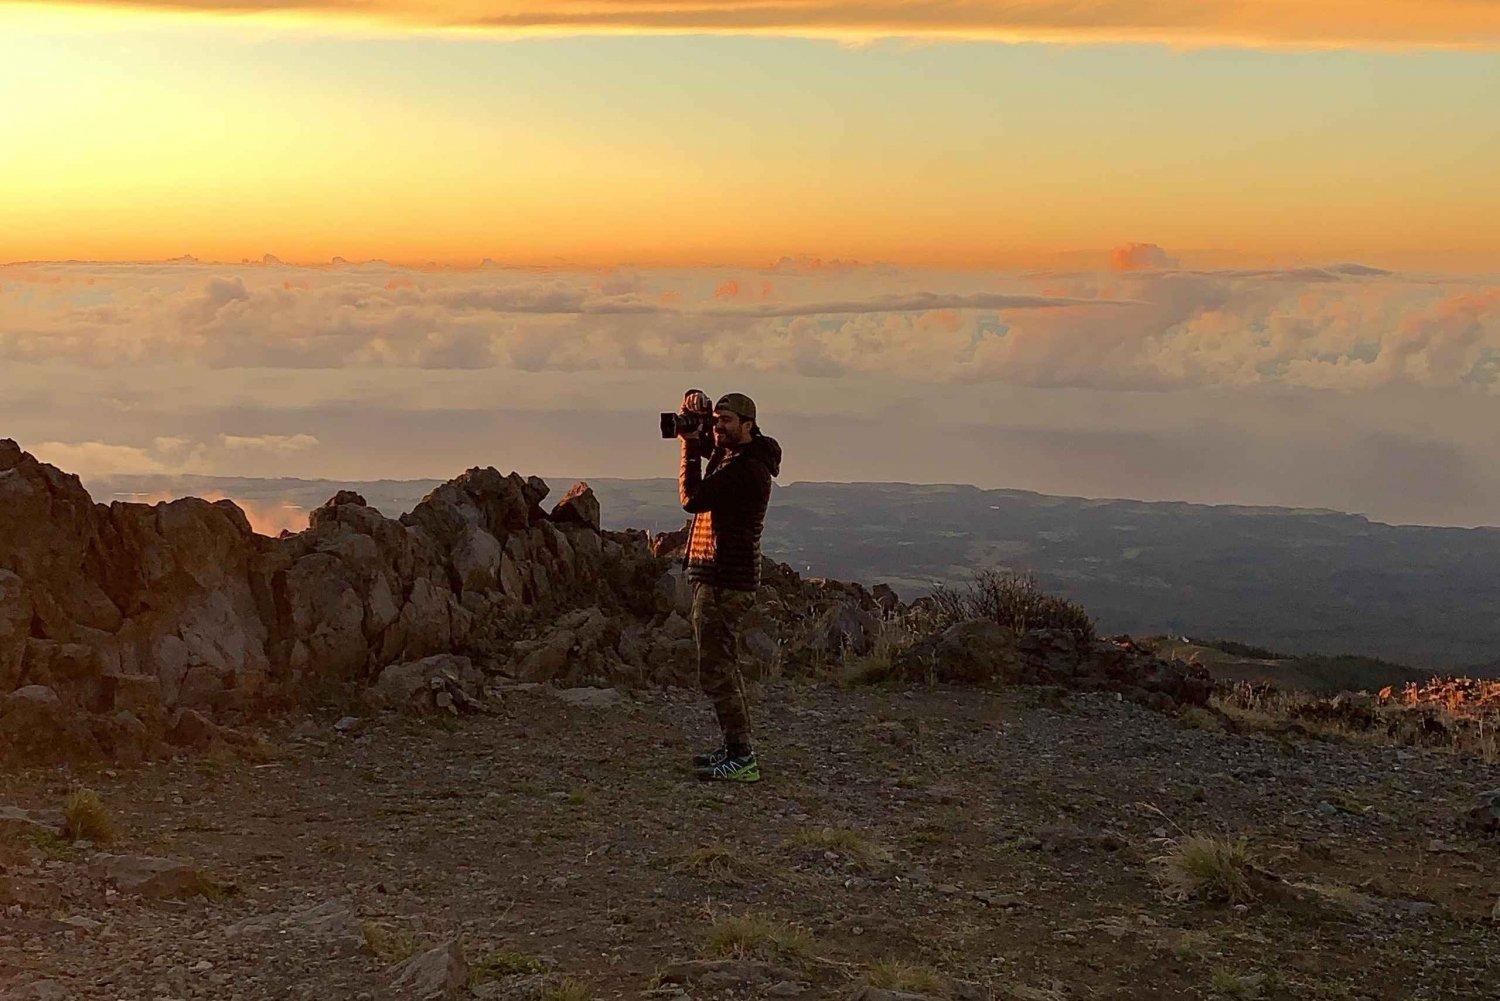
124 625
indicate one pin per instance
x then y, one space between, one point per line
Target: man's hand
694 447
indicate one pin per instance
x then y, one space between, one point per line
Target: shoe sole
704 775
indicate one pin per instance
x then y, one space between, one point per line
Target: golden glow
1274 23
143 132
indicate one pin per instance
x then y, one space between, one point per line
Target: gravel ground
977 843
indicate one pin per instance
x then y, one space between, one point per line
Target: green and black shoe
710 758
739 769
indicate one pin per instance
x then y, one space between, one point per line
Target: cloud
1339 327
1398 24
269 442
97 458
1140 257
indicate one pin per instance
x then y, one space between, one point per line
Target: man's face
729 429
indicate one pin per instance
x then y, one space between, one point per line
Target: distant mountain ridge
1292 579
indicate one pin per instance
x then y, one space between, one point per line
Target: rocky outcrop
115 618
128 628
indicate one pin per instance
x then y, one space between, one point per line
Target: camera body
694 420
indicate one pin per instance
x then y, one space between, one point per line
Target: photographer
728 504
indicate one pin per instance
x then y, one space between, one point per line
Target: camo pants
717 613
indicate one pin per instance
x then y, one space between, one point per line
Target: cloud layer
1258 23
1156 327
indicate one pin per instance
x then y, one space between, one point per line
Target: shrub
757 936
1015 600
503 963
909 978
567 989
392 945
1207 867
85 818
851 844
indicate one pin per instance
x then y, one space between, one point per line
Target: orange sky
1272 131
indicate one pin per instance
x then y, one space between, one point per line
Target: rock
436 974
15 627
881 994
1484 815
1006 901
37 725
348 724
787 989
426 685
40 990
191 728
725 972
14 820
332 923
578 506
593 697
146 876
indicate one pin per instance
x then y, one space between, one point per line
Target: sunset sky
1225 251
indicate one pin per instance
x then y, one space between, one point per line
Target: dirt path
1004 841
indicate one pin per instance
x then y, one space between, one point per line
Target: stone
191 728
416 686
15 820
40 990
597 698
146 876
434 975
725 972
1484 815
881 994
578 506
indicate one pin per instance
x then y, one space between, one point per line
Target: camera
694 420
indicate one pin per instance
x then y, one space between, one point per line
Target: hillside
1298 581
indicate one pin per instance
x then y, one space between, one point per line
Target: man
728 504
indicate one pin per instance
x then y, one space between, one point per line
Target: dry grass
391 945
892 637
1206 867
842 840
503 963
1226 983
757 936
911 978
567 989
86 819
717 858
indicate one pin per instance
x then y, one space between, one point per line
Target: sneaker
745 769
710 758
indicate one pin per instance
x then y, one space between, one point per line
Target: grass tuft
85 818
567 989
1226 983
503 963
391 945
853 844
910 978
717 858
1206 867
757 936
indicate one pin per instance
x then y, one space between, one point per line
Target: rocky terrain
125 628
445 756
961 842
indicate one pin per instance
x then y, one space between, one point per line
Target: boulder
578 506
434 975
446 682
146 876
